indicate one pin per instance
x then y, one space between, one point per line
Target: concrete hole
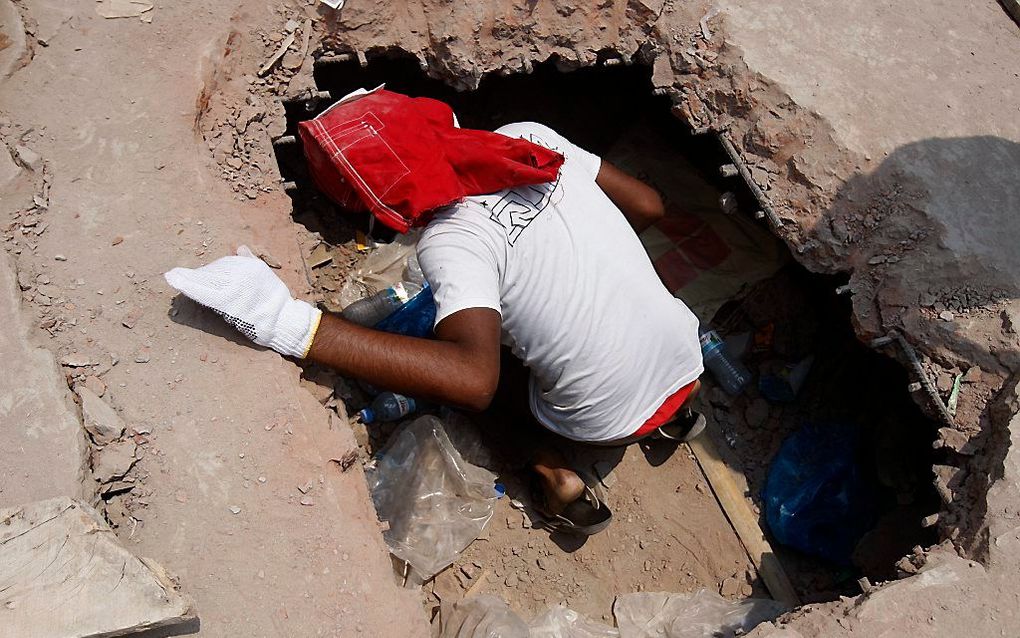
669 534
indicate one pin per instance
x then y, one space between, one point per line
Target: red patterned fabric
401 157
666 411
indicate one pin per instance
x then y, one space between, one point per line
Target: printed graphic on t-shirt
520 206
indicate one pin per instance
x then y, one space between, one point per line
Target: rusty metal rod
738 161
929 387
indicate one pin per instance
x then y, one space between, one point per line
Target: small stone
304 489
944 382
99 419
470 571
307 500
262 479
95 385
113 461
511 580
76 360
234 162
543 563
955 440
117 240
235 509
28 158
945 476
973 375
292 60
447 586
142 358
60 257
729 588
946 315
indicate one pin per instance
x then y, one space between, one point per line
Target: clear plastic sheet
434 501
561 622
382 268
479 617
703 614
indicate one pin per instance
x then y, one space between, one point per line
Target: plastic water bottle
731 374
373 309
388 406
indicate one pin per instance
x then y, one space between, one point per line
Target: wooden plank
64 574
731 498
1012 7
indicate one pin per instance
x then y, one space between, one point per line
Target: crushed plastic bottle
373 309
731 374
388 406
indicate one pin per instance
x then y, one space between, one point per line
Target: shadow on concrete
186 312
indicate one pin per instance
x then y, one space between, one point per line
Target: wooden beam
1012 7
723 481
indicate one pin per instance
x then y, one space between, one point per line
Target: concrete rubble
65 574
98 418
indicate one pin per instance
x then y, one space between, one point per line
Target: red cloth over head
401 157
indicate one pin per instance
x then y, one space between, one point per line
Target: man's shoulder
533 132
466 218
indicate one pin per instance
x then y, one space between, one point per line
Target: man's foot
688 425
561 495
560 486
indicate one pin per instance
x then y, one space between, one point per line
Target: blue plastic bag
817 499
414 318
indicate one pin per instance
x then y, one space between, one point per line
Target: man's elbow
476 393
652 208
478 398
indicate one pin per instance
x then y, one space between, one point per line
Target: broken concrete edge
746 110
50 366
177 608
940 566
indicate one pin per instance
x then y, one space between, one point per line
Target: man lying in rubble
602 353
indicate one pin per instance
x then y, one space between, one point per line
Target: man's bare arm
460 367
639 202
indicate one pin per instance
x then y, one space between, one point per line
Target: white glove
249 295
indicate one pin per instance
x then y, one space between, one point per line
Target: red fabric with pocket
666 411
401 158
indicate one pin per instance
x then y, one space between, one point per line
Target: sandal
682 429
585 516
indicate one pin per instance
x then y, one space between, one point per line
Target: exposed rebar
738 161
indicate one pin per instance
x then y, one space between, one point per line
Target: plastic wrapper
434 501
490 617
703 614
415 318
382 268
479 617
816 499
561 622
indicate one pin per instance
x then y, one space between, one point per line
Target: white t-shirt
580 303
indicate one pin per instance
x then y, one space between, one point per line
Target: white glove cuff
295 328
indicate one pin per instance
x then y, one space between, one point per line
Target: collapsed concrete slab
63 573
44 451
126 193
